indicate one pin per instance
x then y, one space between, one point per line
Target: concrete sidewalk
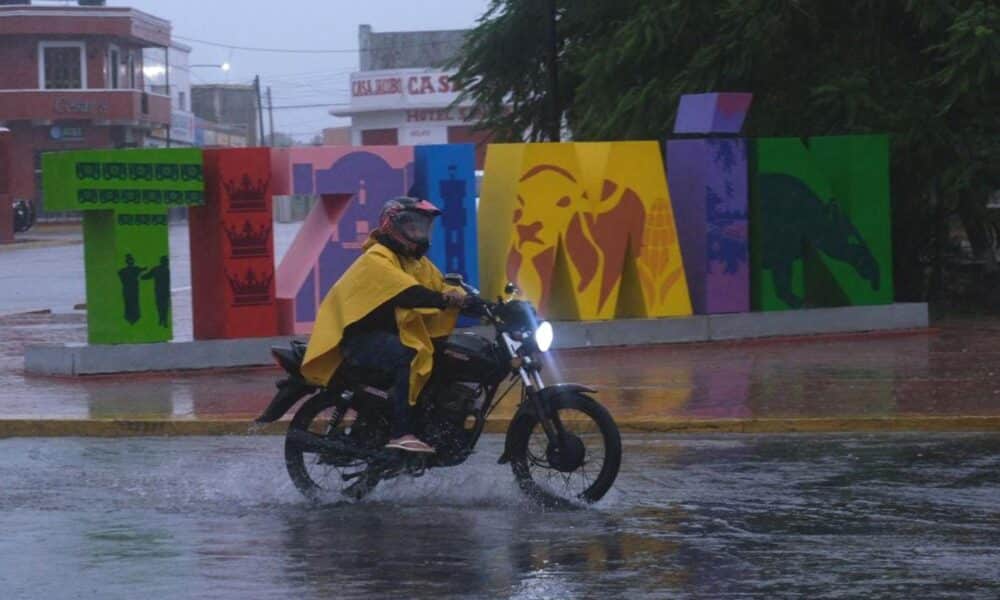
941 380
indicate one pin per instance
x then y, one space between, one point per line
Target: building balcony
133 108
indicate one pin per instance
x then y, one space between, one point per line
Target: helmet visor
415 226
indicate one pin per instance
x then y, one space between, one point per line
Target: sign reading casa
402 89
414 84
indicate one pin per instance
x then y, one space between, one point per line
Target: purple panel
708 188
686 165
712 113
305 300
730 111
333 261
302 178
726 204
370 181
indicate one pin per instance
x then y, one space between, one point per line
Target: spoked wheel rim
314 473
560 468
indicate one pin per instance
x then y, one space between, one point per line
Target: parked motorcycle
562 445
24 215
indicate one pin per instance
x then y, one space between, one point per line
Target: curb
10 428
83 359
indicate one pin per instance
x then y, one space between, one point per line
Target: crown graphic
248 242
246 196
249 290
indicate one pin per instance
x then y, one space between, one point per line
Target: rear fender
290 391
527 412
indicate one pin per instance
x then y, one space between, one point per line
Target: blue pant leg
384 351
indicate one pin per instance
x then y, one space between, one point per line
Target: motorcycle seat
290 358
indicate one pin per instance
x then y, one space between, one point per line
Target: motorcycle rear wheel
314 477
550 474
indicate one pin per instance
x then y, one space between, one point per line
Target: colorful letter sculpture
708 186
820 233
585 229
352 185
232 247
124 195
446 176
712 113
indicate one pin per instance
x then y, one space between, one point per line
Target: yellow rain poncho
376 277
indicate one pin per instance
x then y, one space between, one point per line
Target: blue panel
446 175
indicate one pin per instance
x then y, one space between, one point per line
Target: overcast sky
296 78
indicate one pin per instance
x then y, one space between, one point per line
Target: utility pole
553 67
270 115
260 111
170 92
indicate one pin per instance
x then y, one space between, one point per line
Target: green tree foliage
925 71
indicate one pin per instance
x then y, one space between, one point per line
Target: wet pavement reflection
832 516
949 371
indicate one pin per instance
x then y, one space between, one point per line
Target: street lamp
224 66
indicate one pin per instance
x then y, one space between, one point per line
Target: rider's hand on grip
454 299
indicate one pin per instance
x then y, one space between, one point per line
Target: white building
182 121
402 95
406 107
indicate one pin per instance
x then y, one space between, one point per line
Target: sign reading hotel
390 90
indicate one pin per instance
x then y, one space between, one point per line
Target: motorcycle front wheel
581 466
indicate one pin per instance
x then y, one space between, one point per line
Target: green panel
125 195
857 168
127 303
103 179
820 226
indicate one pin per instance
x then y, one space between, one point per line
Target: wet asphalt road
832 516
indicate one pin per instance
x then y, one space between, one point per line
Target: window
131 70
114 67
62 66
379 137
181 101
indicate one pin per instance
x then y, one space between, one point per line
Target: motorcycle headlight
544 336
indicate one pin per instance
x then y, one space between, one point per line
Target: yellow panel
659 265
548 197
497 202
566 221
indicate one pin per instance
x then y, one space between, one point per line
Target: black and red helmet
406 223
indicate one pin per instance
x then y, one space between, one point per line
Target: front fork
531 379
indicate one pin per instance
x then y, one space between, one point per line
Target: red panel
380 137
232 247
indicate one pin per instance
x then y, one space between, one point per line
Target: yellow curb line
35 244
164 427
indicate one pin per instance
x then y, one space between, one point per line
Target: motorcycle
562 445
24 215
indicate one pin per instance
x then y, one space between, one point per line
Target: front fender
527 410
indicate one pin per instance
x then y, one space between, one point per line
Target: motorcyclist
384 311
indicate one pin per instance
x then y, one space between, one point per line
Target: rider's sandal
412 445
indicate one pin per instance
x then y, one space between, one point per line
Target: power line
324 105
308 51
257 49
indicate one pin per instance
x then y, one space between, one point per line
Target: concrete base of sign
82 359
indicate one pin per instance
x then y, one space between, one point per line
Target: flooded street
831 516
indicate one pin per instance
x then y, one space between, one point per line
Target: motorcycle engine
444 428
